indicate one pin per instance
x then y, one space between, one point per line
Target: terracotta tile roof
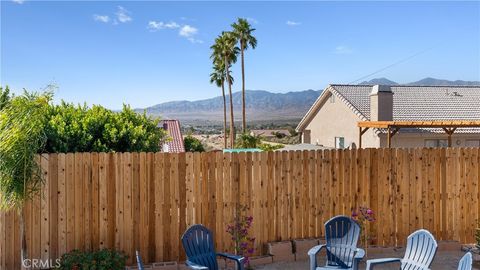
175 145
410 103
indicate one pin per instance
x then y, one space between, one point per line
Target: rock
281 251
302 246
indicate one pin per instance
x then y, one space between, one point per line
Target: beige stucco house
332 119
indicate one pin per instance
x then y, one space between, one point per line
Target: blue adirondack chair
139 260
466 262
421 249
198 242
341 233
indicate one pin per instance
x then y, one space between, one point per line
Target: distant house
270 133
332 119
175 142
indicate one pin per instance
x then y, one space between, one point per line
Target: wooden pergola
393 127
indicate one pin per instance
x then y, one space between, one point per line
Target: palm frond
22 136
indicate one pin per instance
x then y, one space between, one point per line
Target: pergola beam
393 127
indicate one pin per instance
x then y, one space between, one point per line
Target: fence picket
145 201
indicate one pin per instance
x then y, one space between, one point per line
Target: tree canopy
78 128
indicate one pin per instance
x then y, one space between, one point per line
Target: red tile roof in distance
175 145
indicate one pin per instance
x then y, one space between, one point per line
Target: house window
472 143
436 143
339 142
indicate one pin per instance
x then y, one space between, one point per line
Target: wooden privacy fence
145 201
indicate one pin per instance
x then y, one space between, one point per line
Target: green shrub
105 259
278 135
270 147
247 140
73 128
193 144
4 97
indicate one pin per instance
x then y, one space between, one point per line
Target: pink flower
369 211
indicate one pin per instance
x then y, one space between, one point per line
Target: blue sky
144 53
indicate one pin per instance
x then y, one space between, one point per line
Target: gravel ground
443 260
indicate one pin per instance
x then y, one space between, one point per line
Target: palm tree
218 78
225 50
243 32
22 136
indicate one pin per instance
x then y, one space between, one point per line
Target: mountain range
262 106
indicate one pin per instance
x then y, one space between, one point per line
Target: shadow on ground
443 260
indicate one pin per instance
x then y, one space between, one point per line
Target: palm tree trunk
232 124
224 116
23 240
244 121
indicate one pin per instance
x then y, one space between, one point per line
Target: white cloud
188 31
18 1
123 15
342 49
155 26
292 23
101 18
252 20
184 30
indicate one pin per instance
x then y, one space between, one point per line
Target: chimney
381 103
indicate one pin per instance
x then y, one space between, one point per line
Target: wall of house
411 140
335 119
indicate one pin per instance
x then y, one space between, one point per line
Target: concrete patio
443 260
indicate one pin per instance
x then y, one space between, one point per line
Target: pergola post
389 137
449 132
359 137
361 131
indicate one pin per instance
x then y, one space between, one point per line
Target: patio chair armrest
314 250
359 254
194 266
238 259
312 253
371 263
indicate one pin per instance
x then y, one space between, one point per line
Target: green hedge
82 129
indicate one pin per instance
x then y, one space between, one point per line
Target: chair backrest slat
198 244
341 233
139 260
466 262
420 251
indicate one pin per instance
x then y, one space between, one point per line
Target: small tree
247 140
243 243
193 144
363 216
22 136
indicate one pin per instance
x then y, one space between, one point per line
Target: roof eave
316 106
307 118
